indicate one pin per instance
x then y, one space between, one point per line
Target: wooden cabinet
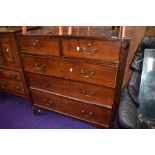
11 73
79 76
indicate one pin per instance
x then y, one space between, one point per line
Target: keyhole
78 48
71 69
89 44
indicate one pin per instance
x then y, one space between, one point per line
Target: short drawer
87 72
46 46
10 74
73 108
12 86
77 90
106 50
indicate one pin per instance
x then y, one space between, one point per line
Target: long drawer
12 86
46 46
73 108
92 49
78 90
87 72
10 74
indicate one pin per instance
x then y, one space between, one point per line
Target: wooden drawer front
77 109
4 39
92 49
10 74
87 92
12 86
87 72
45 46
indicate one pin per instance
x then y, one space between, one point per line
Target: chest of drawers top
99 49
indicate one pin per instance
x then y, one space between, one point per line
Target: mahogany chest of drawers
11 73
79 76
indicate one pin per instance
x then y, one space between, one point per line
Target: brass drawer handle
47 102
40 66
86 114
18 88
88 94
87 75
13 75
85 51
45 84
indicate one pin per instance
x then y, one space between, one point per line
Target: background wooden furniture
76 75
11 74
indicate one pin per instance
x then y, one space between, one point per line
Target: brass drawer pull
85 51
13 75
86 114
47 102
40 66
88 94
45 84
87 75
18 88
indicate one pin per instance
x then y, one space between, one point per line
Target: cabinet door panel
7 53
